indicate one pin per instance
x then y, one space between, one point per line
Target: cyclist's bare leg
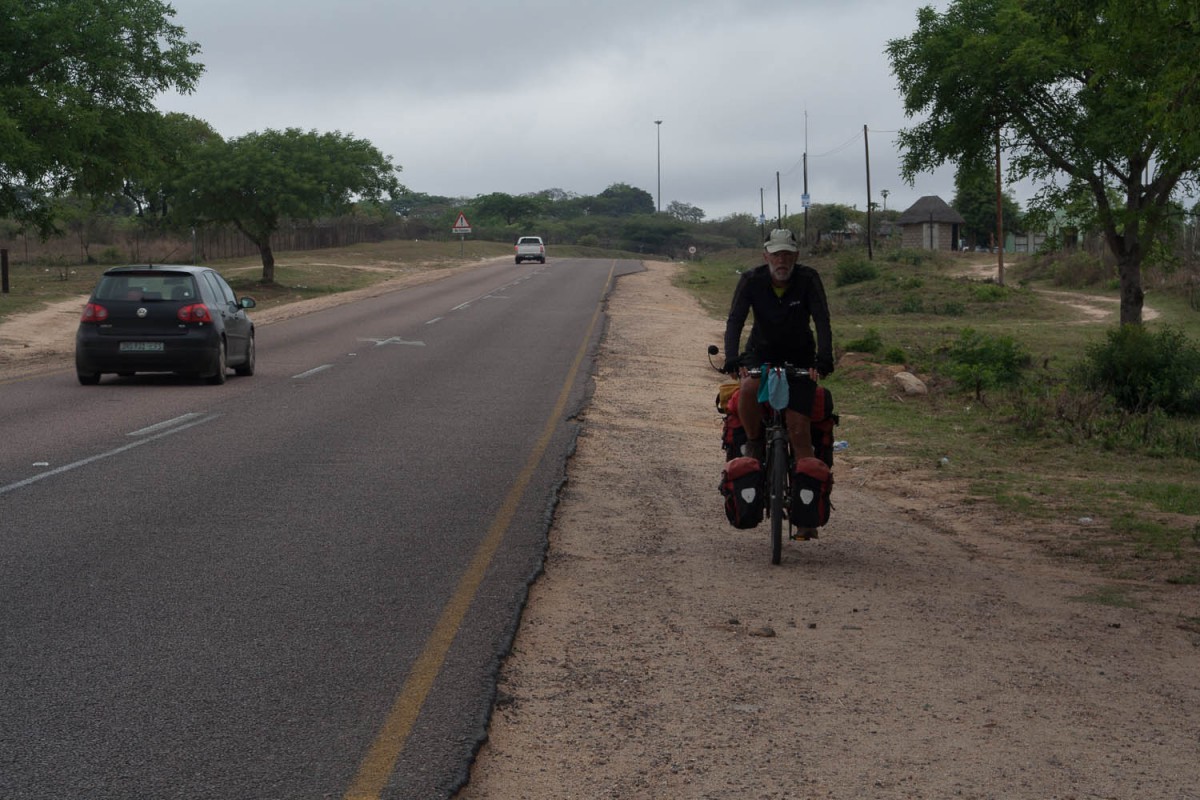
750 413
800 433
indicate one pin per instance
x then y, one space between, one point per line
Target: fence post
4 271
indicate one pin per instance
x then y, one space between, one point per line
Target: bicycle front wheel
778 478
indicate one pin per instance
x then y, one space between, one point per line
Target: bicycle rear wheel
778 477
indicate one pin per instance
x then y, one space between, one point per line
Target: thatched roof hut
930 224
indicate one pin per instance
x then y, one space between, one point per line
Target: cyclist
787 299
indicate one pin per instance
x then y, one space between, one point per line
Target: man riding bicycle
785 297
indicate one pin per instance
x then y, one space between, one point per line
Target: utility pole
806 189
999 215
762 212
658 128
778 202
867 148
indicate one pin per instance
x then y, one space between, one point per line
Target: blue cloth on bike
774 389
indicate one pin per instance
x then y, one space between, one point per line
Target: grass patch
1111 596
1028 445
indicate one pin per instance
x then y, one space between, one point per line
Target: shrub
1143 370
989 293
855 269
981 361
871 342
913 258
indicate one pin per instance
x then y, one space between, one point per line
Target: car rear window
530 240
146 286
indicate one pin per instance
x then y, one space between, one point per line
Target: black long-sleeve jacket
781 330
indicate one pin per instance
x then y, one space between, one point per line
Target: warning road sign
461 225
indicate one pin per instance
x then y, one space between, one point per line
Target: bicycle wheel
778 494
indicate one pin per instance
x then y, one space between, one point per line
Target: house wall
928 236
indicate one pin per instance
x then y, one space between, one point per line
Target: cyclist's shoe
755 448
804 534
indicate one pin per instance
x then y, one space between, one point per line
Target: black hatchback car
185 320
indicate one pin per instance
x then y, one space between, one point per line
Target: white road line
160 425
115 452
435 319
313 371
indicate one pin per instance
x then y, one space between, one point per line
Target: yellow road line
377 766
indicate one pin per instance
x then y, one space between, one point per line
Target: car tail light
196 312
94 312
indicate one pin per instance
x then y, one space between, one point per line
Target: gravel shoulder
923 647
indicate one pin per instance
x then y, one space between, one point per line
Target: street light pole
658 128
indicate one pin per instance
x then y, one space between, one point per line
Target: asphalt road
298 584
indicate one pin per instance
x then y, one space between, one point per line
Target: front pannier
812 484
743 489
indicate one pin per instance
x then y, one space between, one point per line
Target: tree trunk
1132 297
268 259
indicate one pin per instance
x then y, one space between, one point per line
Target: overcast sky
477 96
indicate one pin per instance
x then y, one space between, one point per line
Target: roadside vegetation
1060 420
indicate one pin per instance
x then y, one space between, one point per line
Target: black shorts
801 392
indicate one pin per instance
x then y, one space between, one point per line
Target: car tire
518 261
542 260
217 377
246 369
87 378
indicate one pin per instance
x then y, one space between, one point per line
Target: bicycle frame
779 457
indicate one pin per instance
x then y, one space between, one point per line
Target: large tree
622 200
975 199
1093 93
259 180
77 84
506 208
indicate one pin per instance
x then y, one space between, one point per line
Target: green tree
975 199
685 212
77 84
507 208
622 200
170 142
1101 91
256 181
651 233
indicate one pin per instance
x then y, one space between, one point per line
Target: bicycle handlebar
790 370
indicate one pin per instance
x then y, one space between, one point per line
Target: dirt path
921 648
1091 307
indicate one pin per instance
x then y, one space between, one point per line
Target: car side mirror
247 302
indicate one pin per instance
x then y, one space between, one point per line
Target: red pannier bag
733 435
823 419
744 492
812 485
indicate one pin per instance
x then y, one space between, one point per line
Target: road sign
461 225
804 200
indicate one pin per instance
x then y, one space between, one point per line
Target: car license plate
141 347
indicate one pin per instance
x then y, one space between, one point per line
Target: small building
930 224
